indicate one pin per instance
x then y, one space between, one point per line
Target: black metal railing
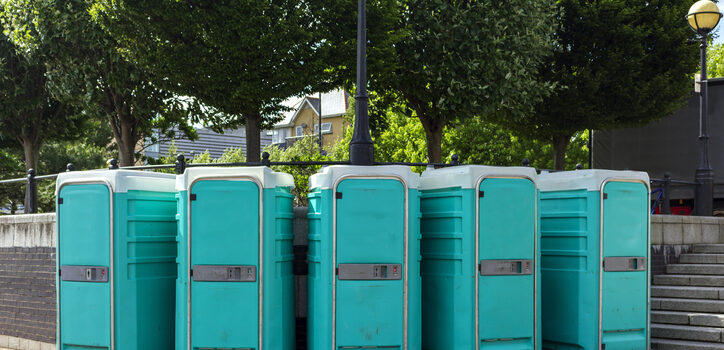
661 193
661 196
31 189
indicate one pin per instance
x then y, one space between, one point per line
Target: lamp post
361 150
703 17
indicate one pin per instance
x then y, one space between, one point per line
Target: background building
208 140
303 119
669 145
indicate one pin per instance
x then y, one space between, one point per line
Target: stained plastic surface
507 305
374 209
573 268
231 227
129 231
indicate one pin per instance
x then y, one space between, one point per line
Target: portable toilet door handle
624 263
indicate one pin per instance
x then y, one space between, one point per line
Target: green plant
303 150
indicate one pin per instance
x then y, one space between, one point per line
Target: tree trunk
126 149
31 148
253 140
560 143
123 125
433 135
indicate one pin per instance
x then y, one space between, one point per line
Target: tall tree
619 63
87 70
454 60
28 113
715 58
243 58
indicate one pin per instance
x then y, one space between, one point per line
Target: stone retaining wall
673 235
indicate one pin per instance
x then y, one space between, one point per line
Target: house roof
333 103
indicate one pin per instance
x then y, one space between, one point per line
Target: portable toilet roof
590 179
266 177
121 181
328 176
467 176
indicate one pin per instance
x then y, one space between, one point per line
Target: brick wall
27 281
27 293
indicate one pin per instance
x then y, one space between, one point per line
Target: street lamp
361 150
703 17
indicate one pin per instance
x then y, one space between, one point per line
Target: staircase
687 303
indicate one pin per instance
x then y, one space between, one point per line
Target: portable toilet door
480 222
115 259
596 234
228 275
373 259
624 278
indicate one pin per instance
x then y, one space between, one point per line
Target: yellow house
304 121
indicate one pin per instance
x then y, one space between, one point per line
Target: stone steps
670 344
701 259
689 280
688 318
680 304
687 303
708 248
687 292
679 332
695 269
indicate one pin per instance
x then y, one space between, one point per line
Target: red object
680 210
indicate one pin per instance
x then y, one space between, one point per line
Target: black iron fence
661 192
31 180
661 188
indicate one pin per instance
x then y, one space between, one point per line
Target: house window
298 131
326 128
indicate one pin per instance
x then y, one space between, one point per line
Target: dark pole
667 194
320 122
361 150
31 193
704 173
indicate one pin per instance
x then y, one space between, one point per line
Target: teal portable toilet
116 260
480 258
364 256
236 286
594 259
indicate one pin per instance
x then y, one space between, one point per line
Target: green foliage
29 115
619 63
304 150
244 58
715 58
11 195
479 142
453 60
475 141
86 70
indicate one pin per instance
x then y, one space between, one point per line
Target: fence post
667 194
69 167
112 164
454 159
180 164
265 158
31 193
